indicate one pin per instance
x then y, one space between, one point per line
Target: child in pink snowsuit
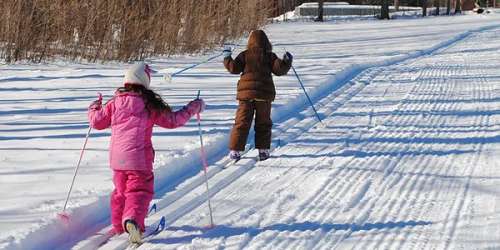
131 114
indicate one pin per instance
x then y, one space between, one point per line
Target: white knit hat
140 74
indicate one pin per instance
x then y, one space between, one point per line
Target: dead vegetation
93 30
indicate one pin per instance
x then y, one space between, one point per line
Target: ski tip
152 209
231 163
162 224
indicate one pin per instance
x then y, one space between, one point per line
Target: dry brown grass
92 30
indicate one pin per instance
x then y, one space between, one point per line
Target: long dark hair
153 101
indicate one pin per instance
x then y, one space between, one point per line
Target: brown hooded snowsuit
255 90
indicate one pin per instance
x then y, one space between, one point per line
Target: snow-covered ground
406 157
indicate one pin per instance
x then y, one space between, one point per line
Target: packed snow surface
406 155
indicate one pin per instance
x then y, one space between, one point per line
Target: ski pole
63 214
305 92
205 164
168 77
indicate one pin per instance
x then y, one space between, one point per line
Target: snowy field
407 156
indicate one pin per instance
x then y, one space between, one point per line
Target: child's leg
118 200
242 123
263 124
138 194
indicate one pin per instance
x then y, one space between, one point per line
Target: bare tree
448 7
424 7
384 9
437 5
396 5
320 11
458 6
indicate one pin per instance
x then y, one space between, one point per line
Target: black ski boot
264 154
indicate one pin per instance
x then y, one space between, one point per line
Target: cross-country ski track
406 157
395 166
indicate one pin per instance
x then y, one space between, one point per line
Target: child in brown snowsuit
255 92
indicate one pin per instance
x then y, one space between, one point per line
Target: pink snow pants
131 197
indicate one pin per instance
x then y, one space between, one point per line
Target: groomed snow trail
388 170
406 161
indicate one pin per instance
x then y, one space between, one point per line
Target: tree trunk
320 11
458 6
384 10
448 7
424 8
438 5
396 5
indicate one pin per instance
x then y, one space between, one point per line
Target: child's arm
235 66
179 117
99 117
281 66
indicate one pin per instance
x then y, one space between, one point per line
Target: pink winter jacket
132 128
